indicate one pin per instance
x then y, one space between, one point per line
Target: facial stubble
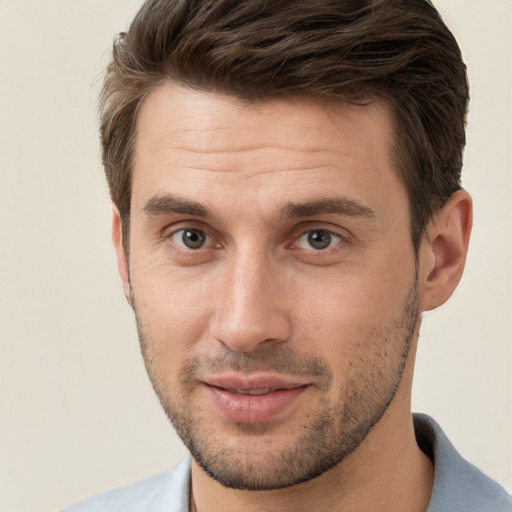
324 439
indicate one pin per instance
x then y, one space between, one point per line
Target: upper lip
253 382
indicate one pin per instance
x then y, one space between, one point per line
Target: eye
190 238
318 239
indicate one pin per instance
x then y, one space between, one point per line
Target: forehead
204 142
174 115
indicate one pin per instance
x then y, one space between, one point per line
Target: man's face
273 278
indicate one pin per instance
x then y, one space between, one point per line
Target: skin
259 300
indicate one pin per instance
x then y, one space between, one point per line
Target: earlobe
444 249
122 262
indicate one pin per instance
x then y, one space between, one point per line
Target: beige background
77 412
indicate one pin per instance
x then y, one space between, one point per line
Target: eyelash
331 235
192 229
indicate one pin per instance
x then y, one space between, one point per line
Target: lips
253 399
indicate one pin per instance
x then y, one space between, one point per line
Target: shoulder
168 491
458 485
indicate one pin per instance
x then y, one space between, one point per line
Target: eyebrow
335 205
168 205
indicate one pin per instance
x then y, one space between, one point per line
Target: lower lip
253 408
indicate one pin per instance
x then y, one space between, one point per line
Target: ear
443 251
122 262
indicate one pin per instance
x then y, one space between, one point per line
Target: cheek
351 312
353 295
173 310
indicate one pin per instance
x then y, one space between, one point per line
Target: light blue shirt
458 485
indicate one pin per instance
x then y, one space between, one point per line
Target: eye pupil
193 238
319 239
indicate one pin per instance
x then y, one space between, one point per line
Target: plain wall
78 415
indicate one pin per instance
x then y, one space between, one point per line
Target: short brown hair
344 50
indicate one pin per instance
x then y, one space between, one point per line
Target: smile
256 403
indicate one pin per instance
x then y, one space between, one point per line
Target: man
287 202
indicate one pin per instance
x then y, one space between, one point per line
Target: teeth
253 392
259 391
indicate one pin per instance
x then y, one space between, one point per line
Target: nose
251 306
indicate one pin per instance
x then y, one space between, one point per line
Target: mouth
253 400
252 392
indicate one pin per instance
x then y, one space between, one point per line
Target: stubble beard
324 440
